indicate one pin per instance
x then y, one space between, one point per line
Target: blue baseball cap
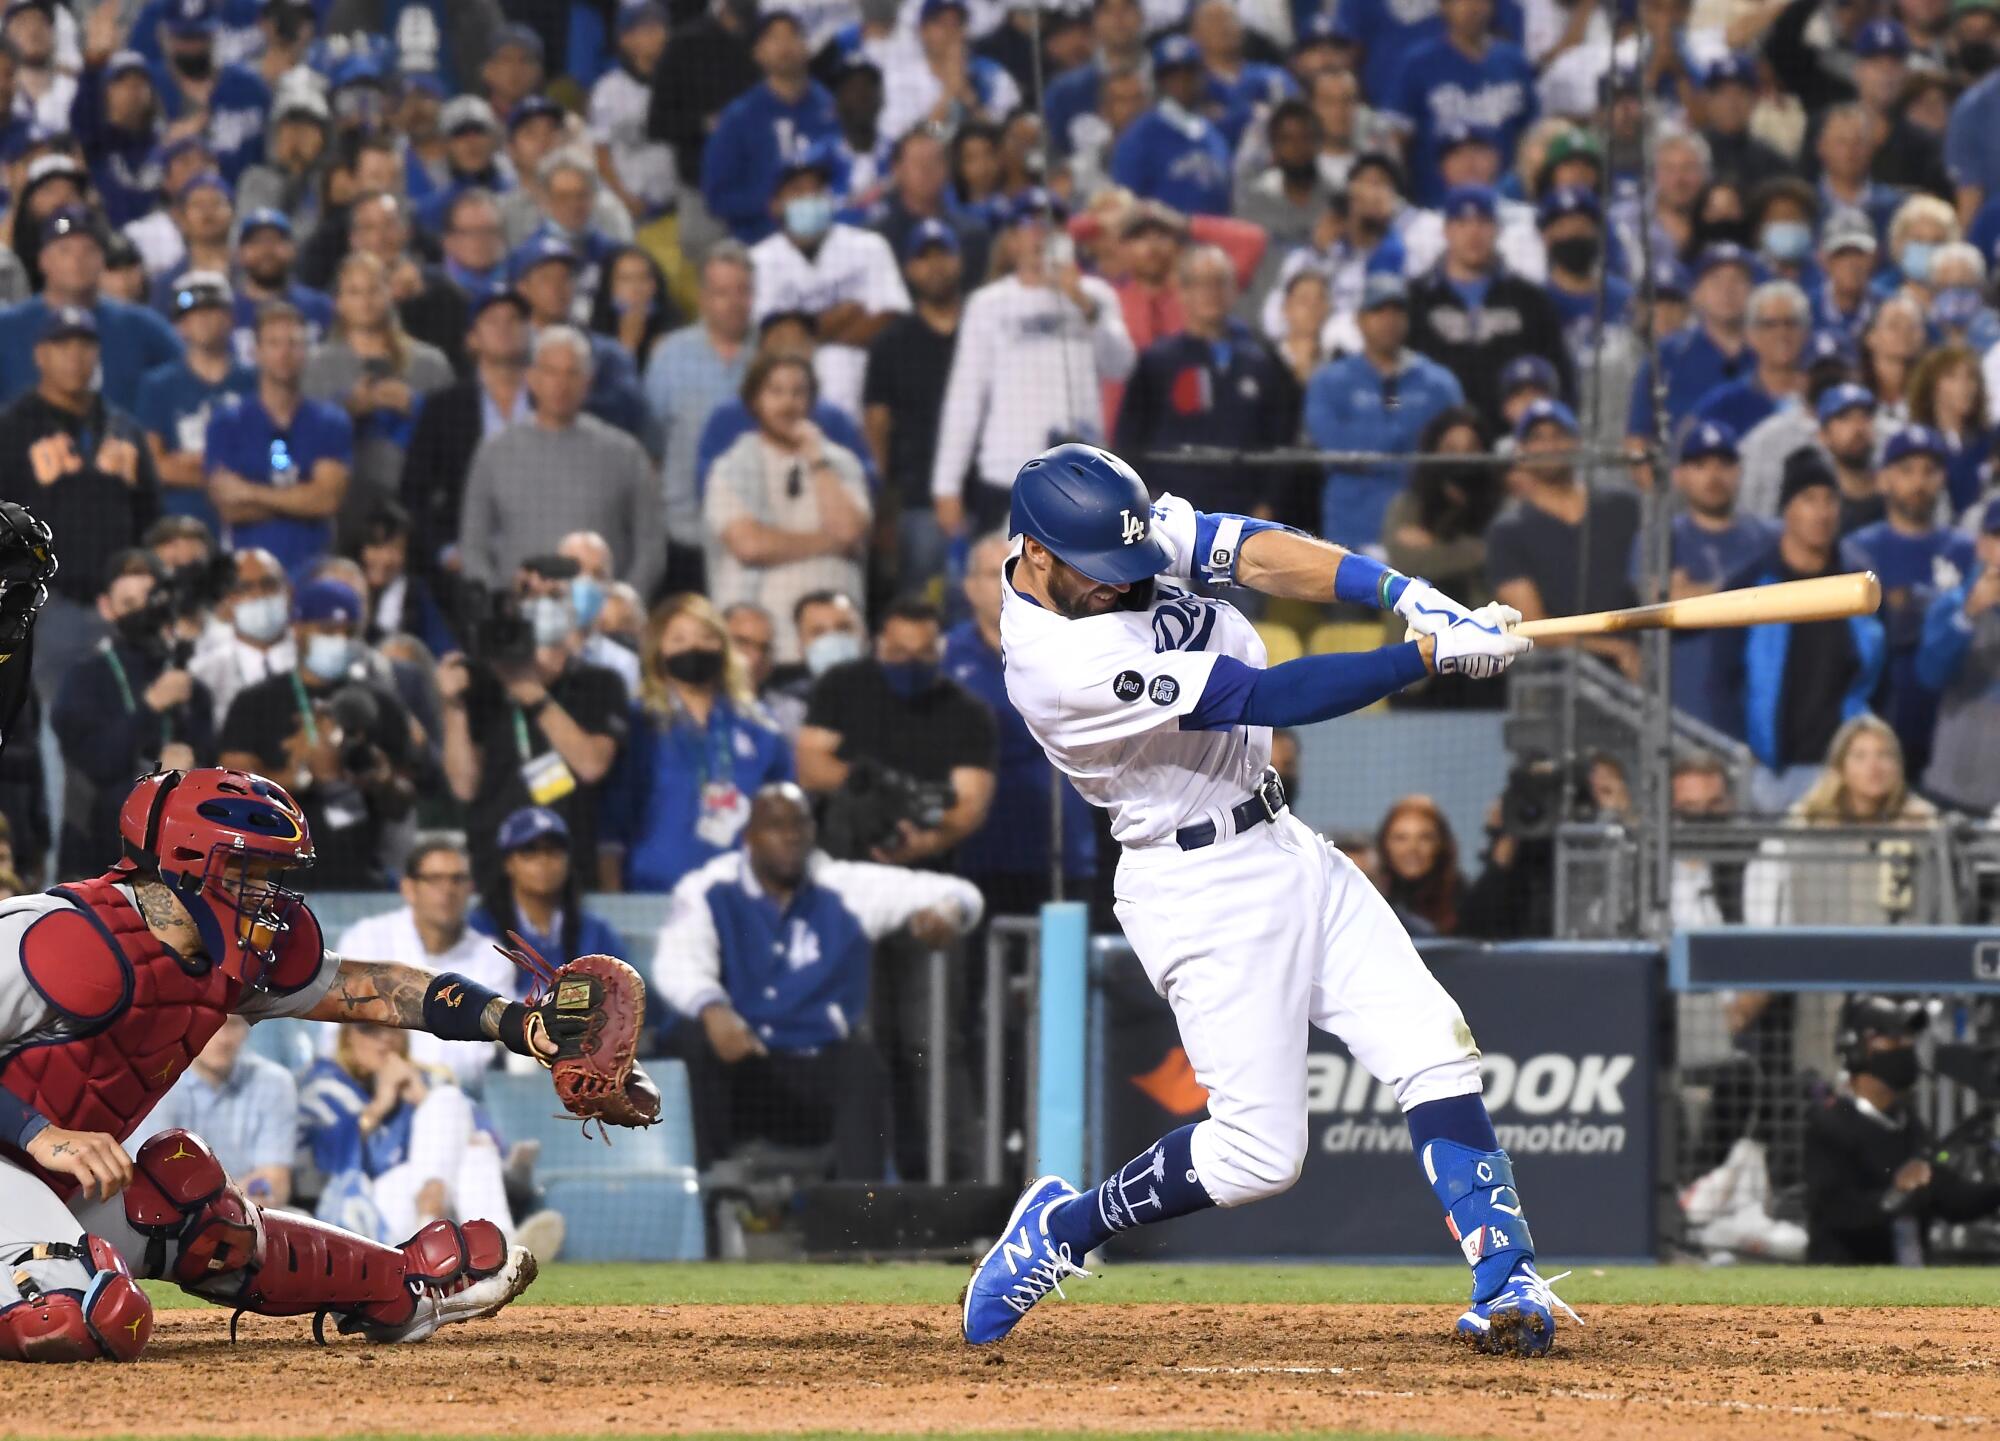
1842 398
190 17
264 218
67 322
1670 278
1529 372
428 81
70 220
326 599
1037 204
1989 523
1546 411
1707 438
645 12
539 250
1175 52
126 62
1320 28
1384 287
533 107
1722 253
1454 135
1829 347
181 145
1882 37
1568 200
1470 202
1730 70
479 304
931 9
521 36
930 235
359 69
1915 440
207 180
772 15
530 824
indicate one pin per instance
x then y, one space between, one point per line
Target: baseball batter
1157 704
108 989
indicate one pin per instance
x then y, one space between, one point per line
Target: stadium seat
1340 637
1281 642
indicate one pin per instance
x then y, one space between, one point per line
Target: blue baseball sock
1156 1185
1474 1180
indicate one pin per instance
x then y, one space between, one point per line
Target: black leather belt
1264 804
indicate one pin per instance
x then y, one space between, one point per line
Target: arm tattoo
166 917
489 1019
381 993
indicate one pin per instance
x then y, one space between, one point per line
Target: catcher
108 989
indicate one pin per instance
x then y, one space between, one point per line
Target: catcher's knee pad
71 1301
181 1200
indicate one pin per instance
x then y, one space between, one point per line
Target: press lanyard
132 701
521 735
712 760
305 708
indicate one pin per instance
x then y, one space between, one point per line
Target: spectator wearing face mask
701 747
748 146
193 81
830 633
544 730
258 609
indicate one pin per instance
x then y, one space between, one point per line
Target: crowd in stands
590 427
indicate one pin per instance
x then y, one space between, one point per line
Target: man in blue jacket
192 81
765 128
1464 77
1215 383
1379 400
136 339
1173 153
767 950
1800 682
1118 35
1388 31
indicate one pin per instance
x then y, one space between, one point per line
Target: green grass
720 1283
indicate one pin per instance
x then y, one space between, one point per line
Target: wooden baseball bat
1830 597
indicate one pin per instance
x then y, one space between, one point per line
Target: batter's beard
1077 597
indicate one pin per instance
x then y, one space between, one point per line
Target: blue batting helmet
1092 510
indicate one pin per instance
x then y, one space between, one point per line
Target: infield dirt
1664 1372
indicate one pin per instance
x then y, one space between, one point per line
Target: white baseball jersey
1105 696
850 264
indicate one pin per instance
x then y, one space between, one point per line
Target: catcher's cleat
466 1292
1023 1266
1519 1318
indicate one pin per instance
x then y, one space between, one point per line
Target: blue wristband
1362 581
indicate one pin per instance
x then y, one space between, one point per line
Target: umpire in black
1875 1180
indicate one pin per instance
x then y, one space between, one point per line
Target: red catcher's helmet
202 830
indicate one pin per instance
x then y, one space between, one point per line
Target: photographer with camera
1875 1179
906 760
1514 897
127 708
528 721
340 743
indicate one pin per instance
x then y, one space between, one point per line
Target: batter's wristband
453 1006
1360 580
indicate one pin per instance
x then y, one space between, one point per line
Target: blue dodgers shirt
236 110
1914 570
175 404
1441 86
754 137
135 340
653 800
1694 365
595 936
1015 838
1182 161
244 440
1388 30
1703 685
1233 103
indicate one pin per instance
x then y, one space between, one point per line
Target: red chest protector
129 1015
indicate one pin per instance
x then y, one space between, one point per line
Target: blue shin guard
1482 1210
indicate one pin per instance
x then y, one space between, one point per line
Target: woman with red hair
1418 860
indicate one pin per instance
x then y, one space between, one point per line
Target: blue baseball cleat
1520 1317
1023 1266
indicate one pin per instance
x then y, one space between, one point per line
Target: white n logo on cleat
1023 1250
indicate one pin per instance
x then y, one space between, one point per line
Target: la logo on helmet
1135 527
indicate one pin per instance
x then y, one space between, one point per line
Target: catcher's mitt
592 1010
